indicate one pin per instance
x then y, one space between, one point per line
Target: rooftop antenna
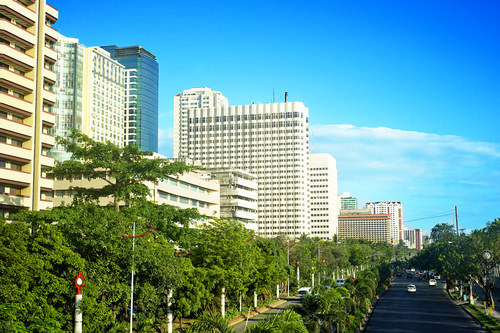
286 96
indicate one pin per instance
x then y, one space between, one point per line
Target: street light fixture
487 257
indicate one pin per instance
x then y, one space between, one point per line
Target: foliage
288 321
443 233
124 171
210 322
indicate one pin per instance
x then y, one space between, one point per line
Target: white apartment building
103 107
238 195
395 209
323 191
268 140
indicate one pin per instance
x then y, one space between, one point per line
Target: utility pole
456 220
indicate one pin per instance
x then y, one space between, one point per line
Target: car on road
432 282
412 288
303 291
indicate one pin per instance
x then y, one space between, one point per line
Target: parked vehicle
412 288
340 282
303 291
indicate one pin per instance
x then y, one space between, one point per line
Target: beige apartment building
27 59
192 189
363 225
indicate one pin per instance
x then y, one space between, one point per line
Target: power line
430 217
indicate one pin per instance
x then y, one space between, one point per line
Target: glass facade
141 100
68 108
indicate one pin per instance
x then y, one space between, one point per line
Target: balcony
16 58
51 34
47 161
49 75
48 118
16 34
21 177
245 215
51 12
46 183
24 131
50 54
10 102
49 97
16 152
16 81
48 140
21 13
14 200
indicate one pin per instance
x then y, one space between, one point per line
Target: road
240 327
428 310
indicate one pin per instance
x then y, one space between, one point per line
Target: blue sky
404 94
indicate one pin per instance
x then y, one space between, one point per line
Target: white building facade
323 192
268 140
395 209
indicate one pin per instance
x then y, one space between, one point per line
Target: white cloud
425 171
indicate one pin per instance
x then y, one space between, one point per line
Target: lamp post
150 230
487 257
79 283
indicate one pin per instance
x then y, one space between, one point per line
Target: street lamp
487 257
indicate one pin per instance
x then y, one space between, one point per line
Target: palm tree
288 321
210 322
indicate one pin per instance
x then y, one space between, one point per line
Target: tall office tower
141 95
347 202
268 140
191 99
69 92
90 92
396 211
27 59
323 189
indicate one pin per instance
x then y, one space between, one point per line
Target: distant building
141 95
414 238
89 93
395 209
238 195
359 225
27 78
268 140
348 202
323 189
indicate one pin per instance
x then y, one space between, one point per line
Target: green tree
288 321
36 278
443 233
124 171
210 322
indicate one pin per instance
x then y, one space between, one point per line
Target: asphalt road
428 310
240 327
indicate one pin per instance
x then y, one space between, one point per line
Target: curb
459 304
369 312
255 312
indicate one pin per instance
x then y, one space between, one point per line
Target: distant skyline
404 95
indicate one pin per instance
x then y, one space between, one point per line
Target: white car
412 288
340 282
432 282
304 291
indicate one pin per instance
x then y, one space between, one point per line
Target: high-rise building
141 95
348 202
90 93
268 140
361 224
323 192
414 238
395 209
27 78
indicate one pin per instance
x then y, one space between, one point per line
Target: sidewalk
479 302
